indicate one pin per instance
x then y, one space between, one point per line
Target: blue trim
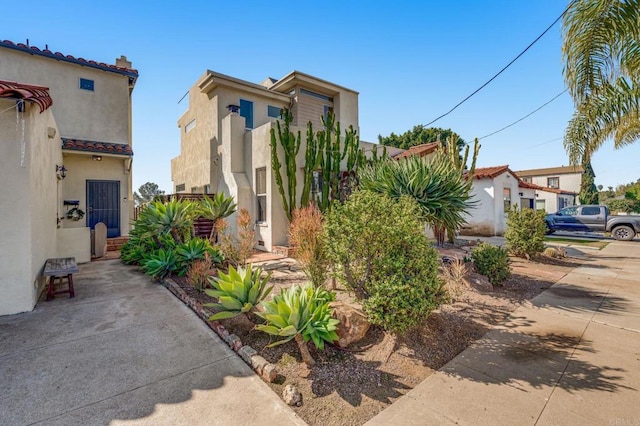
246 111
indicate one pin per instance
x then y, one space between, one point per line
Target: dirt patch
349 387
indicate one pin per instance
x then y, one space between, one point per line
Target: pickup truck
591 218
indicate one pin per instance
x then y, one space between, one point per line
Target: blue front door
103 205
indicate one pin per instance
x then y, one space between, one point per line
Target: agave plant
303 314
238 292
173 218
195 249
160 263
216 208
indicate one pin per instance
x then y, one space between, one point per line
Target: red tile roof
99 147
39 95
490 172
131 73
529 185
421 150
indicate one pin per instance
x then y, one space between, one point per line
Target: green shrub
160 263
379 250
238 291
303 314
491 261
525 232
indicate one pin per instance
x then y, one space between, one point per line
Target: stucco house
225 140
561 185
65 144
495 189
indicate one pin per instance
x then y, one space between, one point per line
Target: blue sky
410 61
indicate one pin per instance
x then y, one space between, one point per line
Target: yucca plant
160 263
216 208
439 187
302 314
238 292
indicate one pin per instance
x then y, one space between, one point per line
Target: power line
526 116
503 69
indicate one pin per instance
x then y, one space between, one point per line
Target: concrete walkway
572 356
125 351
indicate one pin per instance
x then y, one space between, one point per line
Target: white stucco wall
27 203
568 181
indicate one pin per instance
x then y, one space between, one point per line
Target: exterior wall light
96 157
233 108
61 172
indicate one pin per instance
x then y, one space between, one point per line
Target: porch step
115 244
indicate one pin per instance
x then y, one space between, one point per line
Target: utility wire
504 68
526 116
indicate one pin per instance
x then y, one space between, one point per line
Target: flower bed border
261 366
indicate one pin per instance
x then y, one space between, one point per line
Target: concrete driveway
125 351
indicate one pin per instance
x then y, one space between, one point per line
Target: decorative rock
258 363
353 323
292 396
480 282
222 331
233 341
246 352
269 373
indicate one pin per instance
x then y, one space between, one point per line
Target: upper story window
274 111
180 187
86 84
316 95
326 110
190 126
527 179
246 111
553 182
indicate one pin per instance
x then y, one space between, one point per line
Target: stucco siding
568 182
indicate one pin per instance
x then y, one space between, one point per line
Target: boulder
353 323
292 396
480 282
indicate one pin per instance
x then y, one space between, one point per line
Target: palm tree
601 51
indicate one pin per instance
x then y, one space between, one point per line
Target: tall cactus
291 146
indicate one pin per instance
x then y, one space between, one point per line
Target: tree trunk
304 351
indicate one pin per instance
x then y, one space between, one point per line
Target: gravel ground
348 387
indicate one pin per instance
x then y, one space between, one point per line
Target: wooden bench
61 267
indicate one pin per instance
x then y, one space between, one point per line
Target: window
316 95
274 111
190 126
327 109
261 194
316 185
86 84
506 195
207 189
526 179
246 111
541 205
553 182
590 211
194 189
180 187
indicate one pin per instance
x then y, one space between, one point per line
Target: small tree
381 253
525 232
588 189
146 193
307 238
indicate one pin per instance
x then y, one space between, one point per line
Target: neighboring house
560 186
422 150
65 143
495 190
225 140
565 178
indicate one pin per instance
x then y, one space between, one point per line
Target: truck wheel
549 231
623 233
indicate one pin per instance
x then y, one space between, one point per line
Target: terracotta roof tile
421 150
28 92
490 172
95 146
131 73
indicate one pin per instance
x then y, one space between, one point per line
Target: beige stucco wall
81 168
101 115
28 205
74 242
568 182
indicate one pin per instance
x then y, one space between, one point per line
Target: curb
260 365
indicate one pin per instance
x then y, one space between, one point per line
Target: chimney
122 62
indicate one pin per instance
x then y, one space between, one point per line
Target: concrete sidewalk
572 356
125 351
